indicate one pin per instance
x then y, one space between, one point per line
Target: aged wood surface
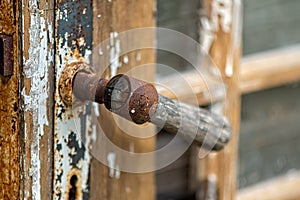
197 83
114 17
9 108
72 127
37 99
258 71
283 187
217 172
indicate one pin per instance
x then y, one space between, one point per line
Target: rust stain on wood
9 109
74 191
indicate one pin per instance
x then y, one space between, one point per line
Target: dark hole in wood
73 189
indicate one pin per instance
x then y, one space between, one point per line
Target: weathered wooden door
46 146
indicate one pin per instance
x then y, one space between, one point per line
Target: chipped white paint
96 109
221 9
221 16
114 169
229 66
139 56
116 34
235 36
207 35
125 59
62 160
118 173
114 54
36 66
94 133
100 51
111 157
70 122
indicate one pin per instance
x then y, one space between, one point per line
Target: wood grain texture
217 172
37 99
116 16
9 109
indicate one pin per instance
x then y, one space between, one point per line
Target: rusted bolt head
131 98
65 86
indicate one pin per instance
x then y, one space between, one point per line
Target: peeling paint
114 169
220 16
125 59
221 10
74 129
235 35
111 157
114 55
35 95
139 56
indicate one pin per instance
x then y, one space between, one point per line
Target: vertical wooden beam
110 19
9 108
220 37
37 80
73 129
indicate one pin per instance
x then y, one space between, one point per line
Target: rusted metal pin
138 101
6 55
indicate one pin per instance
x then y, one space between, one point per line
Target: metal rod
138 101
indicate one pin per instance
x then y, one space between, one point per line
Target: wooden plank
73 129
270 69
258 71
111 18
284 187
37 98
217 172
9 109
197 83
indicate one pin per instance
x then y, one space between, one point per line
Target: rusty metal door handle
139 101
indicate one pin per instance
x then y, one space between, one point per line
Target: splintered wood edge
258 72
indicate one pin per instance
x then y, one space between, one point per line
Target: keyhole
73 189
